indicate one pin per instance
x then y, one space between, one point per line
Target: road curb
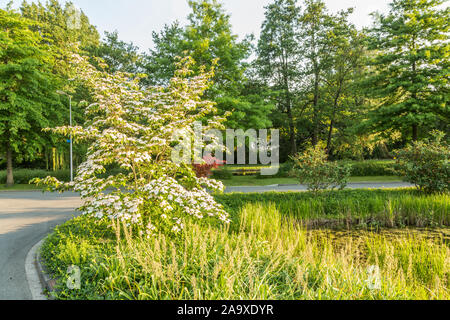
33 273
38 279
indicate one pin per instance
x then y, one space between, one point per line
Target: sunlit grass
352 208
266 254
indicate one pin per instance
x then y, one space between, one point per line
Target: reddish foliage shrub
205 170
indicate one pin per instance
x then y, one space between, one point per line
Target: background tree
117 54
160 63
28 101
346 64
410 68
66 30
206 38
62 25
316 25
279 57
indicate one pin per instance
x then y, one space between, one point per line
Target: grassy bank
265 254
19 187
350 208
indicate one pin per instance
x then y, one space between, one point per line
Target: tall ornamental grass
350 208
269 256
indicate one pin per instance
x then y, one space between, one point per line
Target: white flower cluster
173 197
211 184
116 207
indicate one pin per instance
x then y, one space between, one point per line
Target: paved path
294 188
26 218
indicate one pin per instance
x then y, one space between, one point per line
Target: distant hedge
23 176
371 168
367 168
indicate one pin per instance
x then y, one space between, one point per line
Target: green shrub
366 168
426 164
371 168
284 171
313 169
222 174
23 176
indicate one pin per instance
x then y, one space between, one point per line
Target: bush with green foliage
426 164
23 176
222 174
371 168
365 168
313 169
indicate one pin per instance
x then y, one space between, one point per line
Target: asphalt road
27 217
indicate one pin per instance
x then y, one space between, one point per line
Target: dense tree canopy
410 68
312 61
279 58
207 38
117 54
28 100
312 74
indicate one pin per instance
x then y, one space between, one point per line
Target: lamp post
71 142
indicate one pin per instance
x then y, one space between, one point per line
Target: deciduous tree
28 101
410 68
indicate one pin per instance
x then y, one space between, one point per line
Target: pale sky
136 19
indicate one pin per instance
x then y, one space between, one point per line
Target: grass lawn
20 187
238 181
267 253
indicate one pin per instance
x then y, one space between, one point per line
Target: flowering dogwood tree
133 127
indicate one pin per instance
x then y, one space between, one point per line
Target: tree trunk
415 127
415 132
330 133
9 166
333 119
315 137
293 141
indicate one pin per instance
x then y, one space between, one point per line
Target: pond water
439 235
